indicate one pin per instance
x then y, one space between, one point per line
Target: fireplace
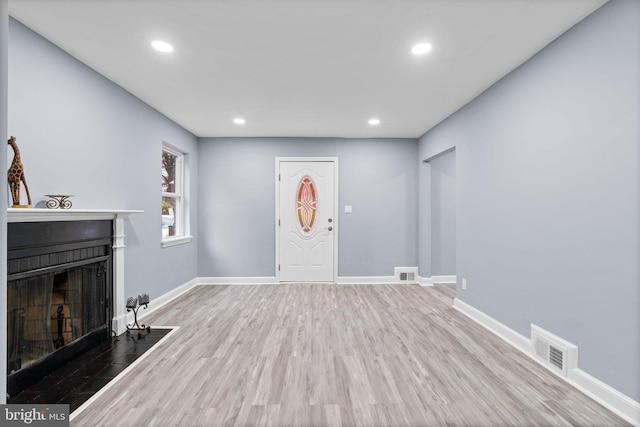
59 293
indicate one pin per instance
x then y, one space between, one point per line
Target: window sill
173 241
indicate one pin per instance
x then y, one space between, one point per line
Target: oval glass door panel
306 204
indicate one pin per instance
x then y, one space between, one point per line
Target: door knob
329 228
330 220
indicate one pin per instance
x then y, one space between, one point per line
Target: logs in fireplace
59 288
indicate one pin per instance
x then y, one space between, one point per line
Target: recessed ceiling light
162 46
421 48
239 121
374 122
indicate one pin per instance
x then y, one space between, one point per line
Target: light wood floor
334 355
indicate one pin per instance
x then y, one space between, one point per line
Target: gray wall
81 134
548 194
443 214
4 41
547 185
378 177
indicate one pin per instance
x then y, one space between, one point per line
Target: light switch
348 209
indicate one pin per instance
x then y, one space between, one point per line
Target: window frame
180 194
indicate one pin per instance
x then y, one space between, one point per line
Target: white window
174 202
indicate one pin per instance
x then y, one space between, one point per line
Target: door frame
336 223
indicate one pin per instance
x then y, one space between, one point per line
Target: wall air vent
406 274
556 357
553 352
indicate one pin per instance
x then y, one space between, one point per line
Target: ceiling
306 68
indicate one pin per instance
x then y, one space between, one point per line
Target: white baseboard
606 395
429 281
425 281
520 342
119 323
342 280
602 393
163 299
367 280
444 279
237 280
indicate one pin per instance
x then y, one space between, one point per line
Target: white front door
307 227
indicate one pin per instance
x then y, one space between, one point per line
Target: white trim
607 396
370 280
180 193
617 402
444 279
520 342
425 281
336 227
237 281
342 280
124 373
165 298
118 323
276 224
430 281
167 242
43 215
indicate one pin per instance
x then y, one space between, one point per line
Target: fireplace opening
58 292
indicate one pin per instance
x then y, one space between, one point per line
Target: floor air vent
555 353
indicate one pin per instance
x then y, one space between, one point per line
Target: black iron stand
134 305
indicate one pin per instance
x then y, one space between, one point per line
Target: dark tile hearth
82 377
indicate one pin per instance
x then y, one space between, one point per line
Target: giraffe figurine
15 174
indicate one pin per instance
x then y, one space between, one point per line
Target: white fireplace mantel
117 216
43 215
